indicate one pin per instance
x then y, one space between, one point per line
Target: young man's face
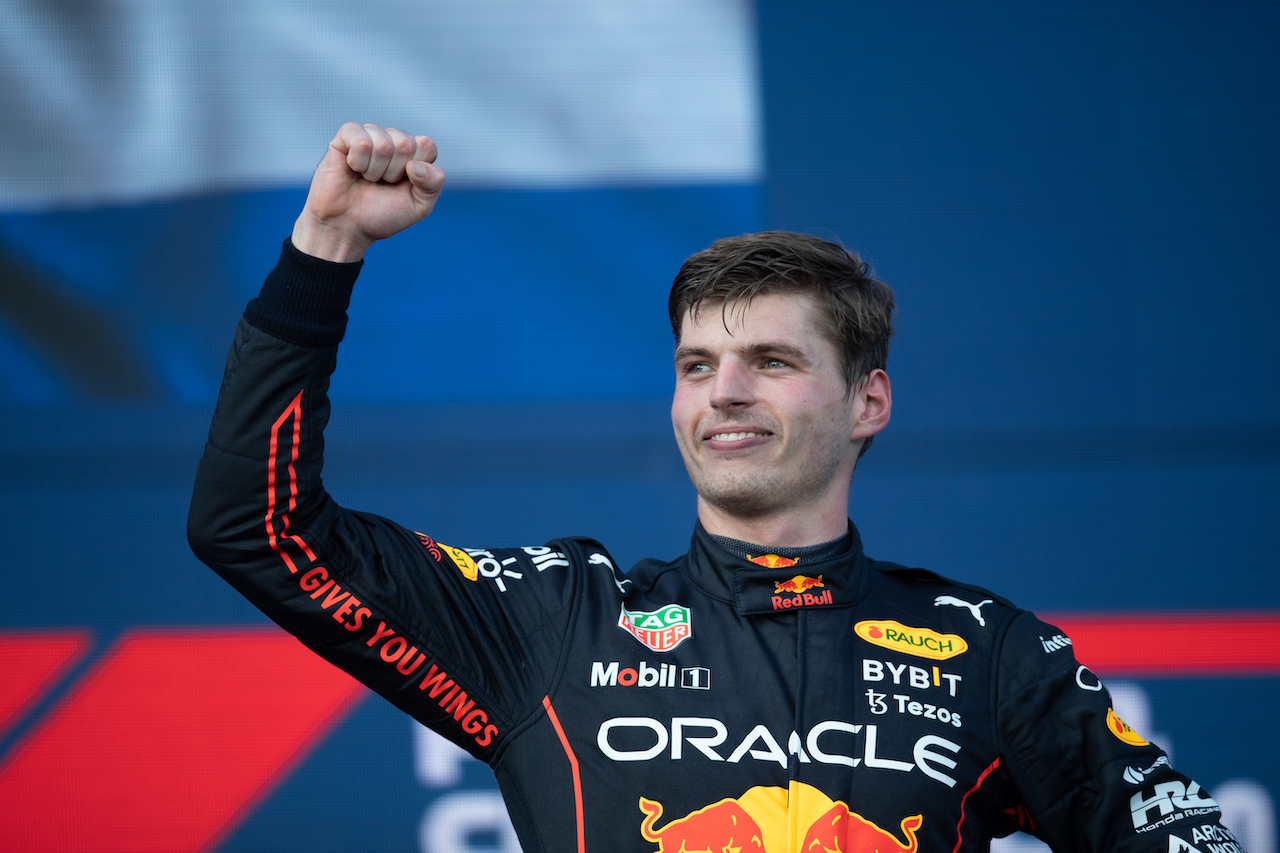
760 410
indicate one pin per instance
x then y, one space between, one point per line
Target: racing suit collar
772 586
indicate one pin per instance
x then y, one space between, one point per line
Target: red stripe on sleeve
976 785
294 410
573 763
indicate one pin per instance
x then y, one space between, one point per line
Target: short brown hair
855 309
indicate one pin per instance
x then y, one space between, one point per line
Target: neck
789 530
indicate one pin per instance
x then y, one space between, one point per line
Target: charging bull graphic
772 561
842 831
719 828
771 820
799 583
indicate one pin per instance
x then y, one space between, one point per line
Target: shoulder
601 566
928 589
913 599
932 581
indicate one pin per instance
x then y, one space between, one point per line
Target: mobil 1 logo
614 674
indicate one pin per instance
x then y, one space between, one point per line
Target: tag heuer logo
661 630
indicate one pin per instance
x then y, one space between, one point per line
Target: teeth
736 436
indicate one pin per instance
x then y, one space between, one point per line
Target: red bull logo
772 561
718 828
799 583
800 586
770 820
842 831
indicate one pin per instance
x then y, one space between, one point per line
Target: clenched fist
373 183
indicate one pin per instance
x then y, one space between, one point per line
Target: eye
773 363
695 367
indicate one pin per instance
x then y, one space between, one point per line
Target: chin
745 500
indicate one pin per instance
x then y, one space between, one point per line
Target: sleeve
1088 781
417 621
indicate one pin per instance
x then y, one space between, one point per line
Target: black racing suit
710 703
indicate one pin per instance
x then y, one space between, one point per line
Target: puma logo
975 609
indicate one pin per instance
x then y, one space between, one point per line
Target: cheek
687 398
682 410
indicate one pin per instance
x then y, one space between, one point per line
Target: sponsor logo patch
801 599
463 561
1168 802
612 674
457 556
660 630
1122 730
909 676
975 609
907 705
1054 643
833 742
772 561
799 583
1217 839
922 642
772 819
1086 680
1134 775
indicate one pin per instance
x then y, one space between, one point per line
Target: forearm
259 482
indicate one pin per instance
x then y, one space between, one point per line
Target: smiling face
762 414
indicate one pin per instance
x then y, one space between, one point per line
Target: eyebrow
762 348
690 352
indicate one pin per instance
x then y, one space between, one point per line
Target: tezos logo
660 630
921 642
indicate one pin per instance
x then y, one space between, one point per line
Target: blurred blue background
1072 201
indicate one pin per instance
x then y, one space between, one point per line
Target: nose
733 387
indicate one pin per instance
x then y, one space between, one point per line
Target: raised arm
406 615
372 184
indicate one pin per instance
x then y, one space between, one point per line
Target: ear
872 402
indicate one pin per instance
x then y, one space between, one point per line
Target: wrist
321 240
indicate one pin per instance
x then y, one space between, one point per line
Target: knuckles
373 151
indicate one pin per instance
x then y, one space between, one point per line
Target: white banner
127 99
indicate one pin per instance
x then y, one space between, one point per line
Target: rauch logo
921 642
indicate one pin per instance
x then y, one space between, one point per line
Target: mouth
731 438
735 436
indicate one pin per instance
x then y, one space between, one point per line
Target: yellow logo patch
463 561
460 558
772 561
1121 729
922 642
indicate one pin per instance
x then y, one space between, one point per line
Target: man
774 689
